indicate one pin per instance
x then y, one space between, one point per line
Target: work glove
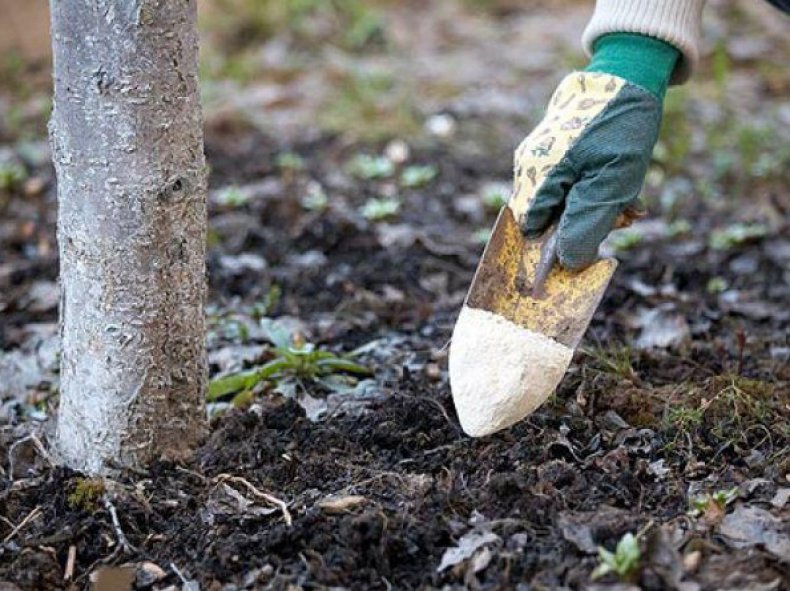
583 166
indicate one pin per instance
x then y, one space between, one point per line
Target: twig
30 517
179 574
188 585
272 500
125 545
433 401
72 558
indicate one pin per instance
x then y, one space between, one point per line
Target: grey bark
126 135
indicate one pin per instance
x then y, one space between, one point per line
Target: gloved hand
585 163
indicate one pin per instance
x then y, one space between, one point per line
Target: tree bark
127 143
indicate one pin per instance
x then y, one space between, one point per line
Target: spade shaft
548 256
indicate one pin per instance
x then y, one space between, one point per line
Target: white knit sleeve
674 21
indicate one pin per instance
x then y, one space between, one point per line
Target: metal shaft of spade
548 256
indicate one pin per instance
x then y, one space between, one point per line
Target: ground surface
672 423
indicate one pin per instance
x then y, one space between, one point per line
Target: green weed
624 561
365 166
712 503
268 304
418 176
625 239
376 210
289 161
679 228
481 235
495 196
684 419
315 199
231 197
12 175
716 285
614 360
295 362
736 235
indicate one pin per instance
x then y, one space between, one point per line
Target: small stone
341 504
781 498
397 151
149 573
33 186
691 561
441 125
433 372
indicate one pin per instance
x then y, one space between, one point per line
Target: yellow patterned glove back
585 163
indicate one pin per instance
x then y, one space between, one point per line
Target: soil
681 389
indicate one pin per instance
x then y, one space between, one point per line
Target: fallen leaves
466 547
750 526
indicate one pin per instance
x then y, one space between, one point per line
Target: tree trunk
127 142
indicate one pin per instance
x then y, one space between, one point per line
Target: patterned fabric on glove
585 163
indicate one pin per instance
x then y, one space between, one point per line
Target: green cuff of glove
641 60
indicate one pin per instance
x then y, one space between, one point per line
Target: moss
728 410
616 360
86 494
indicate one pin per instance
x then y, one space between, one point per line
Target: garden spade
522 319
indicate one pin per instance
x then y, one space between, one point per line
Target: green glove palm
585 163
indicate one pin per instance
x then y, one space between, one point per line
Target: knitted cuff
675 21
644 61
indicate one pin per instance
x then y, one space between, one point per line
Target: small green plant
625 239
365 166
712 503
12 175
231 197
481 235
379 209
495 196
417 176
616 360
679 228
735 235
684 419
86 493
716 285
289 161
295 362
315 198
624 561
267 305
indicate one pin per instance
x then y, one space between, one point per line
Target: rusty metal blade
504 280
